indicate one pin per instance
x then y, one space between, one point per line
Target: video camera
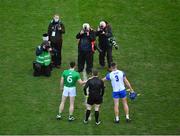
113 42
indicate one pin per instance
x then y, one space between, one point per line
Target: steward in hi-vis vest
42 65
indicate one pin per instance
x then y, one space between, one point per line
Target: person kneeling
42 64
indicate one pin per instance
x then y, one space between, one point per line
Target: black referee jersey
96 90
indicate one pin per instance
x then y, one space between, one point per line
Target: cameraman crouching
42 65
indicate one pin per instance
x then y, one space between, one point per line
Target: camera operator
42 65
104 32
85 51
55 30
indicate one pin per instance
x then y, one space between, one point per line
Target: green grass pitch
148 32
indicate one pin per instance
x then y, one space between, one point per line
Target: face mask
56 20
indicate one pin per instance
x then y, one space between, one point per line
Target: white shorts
69 91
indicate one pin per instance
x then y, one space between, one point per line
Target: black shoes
128 120
58 117
85 122
116 121
98 123
71 118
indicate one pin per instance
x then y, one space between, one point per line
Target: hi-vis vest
44 58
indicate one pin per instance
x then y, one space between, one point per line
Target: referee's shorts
94 100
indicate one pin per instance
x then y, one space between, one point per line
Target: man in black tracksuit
104 32
55 30
94 96
85 53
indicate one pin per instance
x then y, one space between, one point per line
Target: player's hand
132 91
84 82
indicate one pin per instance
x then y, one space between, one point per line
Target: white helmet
102 24
86 26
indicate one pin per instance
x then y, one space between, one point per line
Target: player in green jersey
68 86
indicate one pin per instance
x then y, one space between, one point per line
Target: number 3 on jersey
117 78
69 79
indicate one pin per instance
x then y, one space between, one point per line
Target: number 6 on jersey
69 79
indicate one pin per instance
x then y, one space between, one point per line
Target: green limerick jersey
70 78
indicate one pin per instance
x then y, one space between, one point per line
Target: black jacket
58 28
85 40
103 38
96 87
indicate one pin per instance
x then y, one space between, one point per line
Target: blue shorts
120 94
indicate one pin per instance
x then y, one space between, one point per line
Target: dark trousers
56 57
85 57
41 70
108 52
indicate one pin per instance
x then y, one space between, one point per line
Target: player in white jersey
118 78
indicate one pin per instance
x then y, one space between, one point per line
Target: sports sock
59 113
117 118
127 116
87 114
97 116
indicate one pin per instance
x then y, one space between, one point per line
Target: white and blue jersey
117 81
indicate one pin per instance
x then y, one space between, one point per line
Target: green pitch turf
148 32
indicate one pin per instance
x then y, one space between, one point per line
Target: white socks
117 118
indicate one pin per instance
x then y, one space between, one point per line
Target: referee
95 94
